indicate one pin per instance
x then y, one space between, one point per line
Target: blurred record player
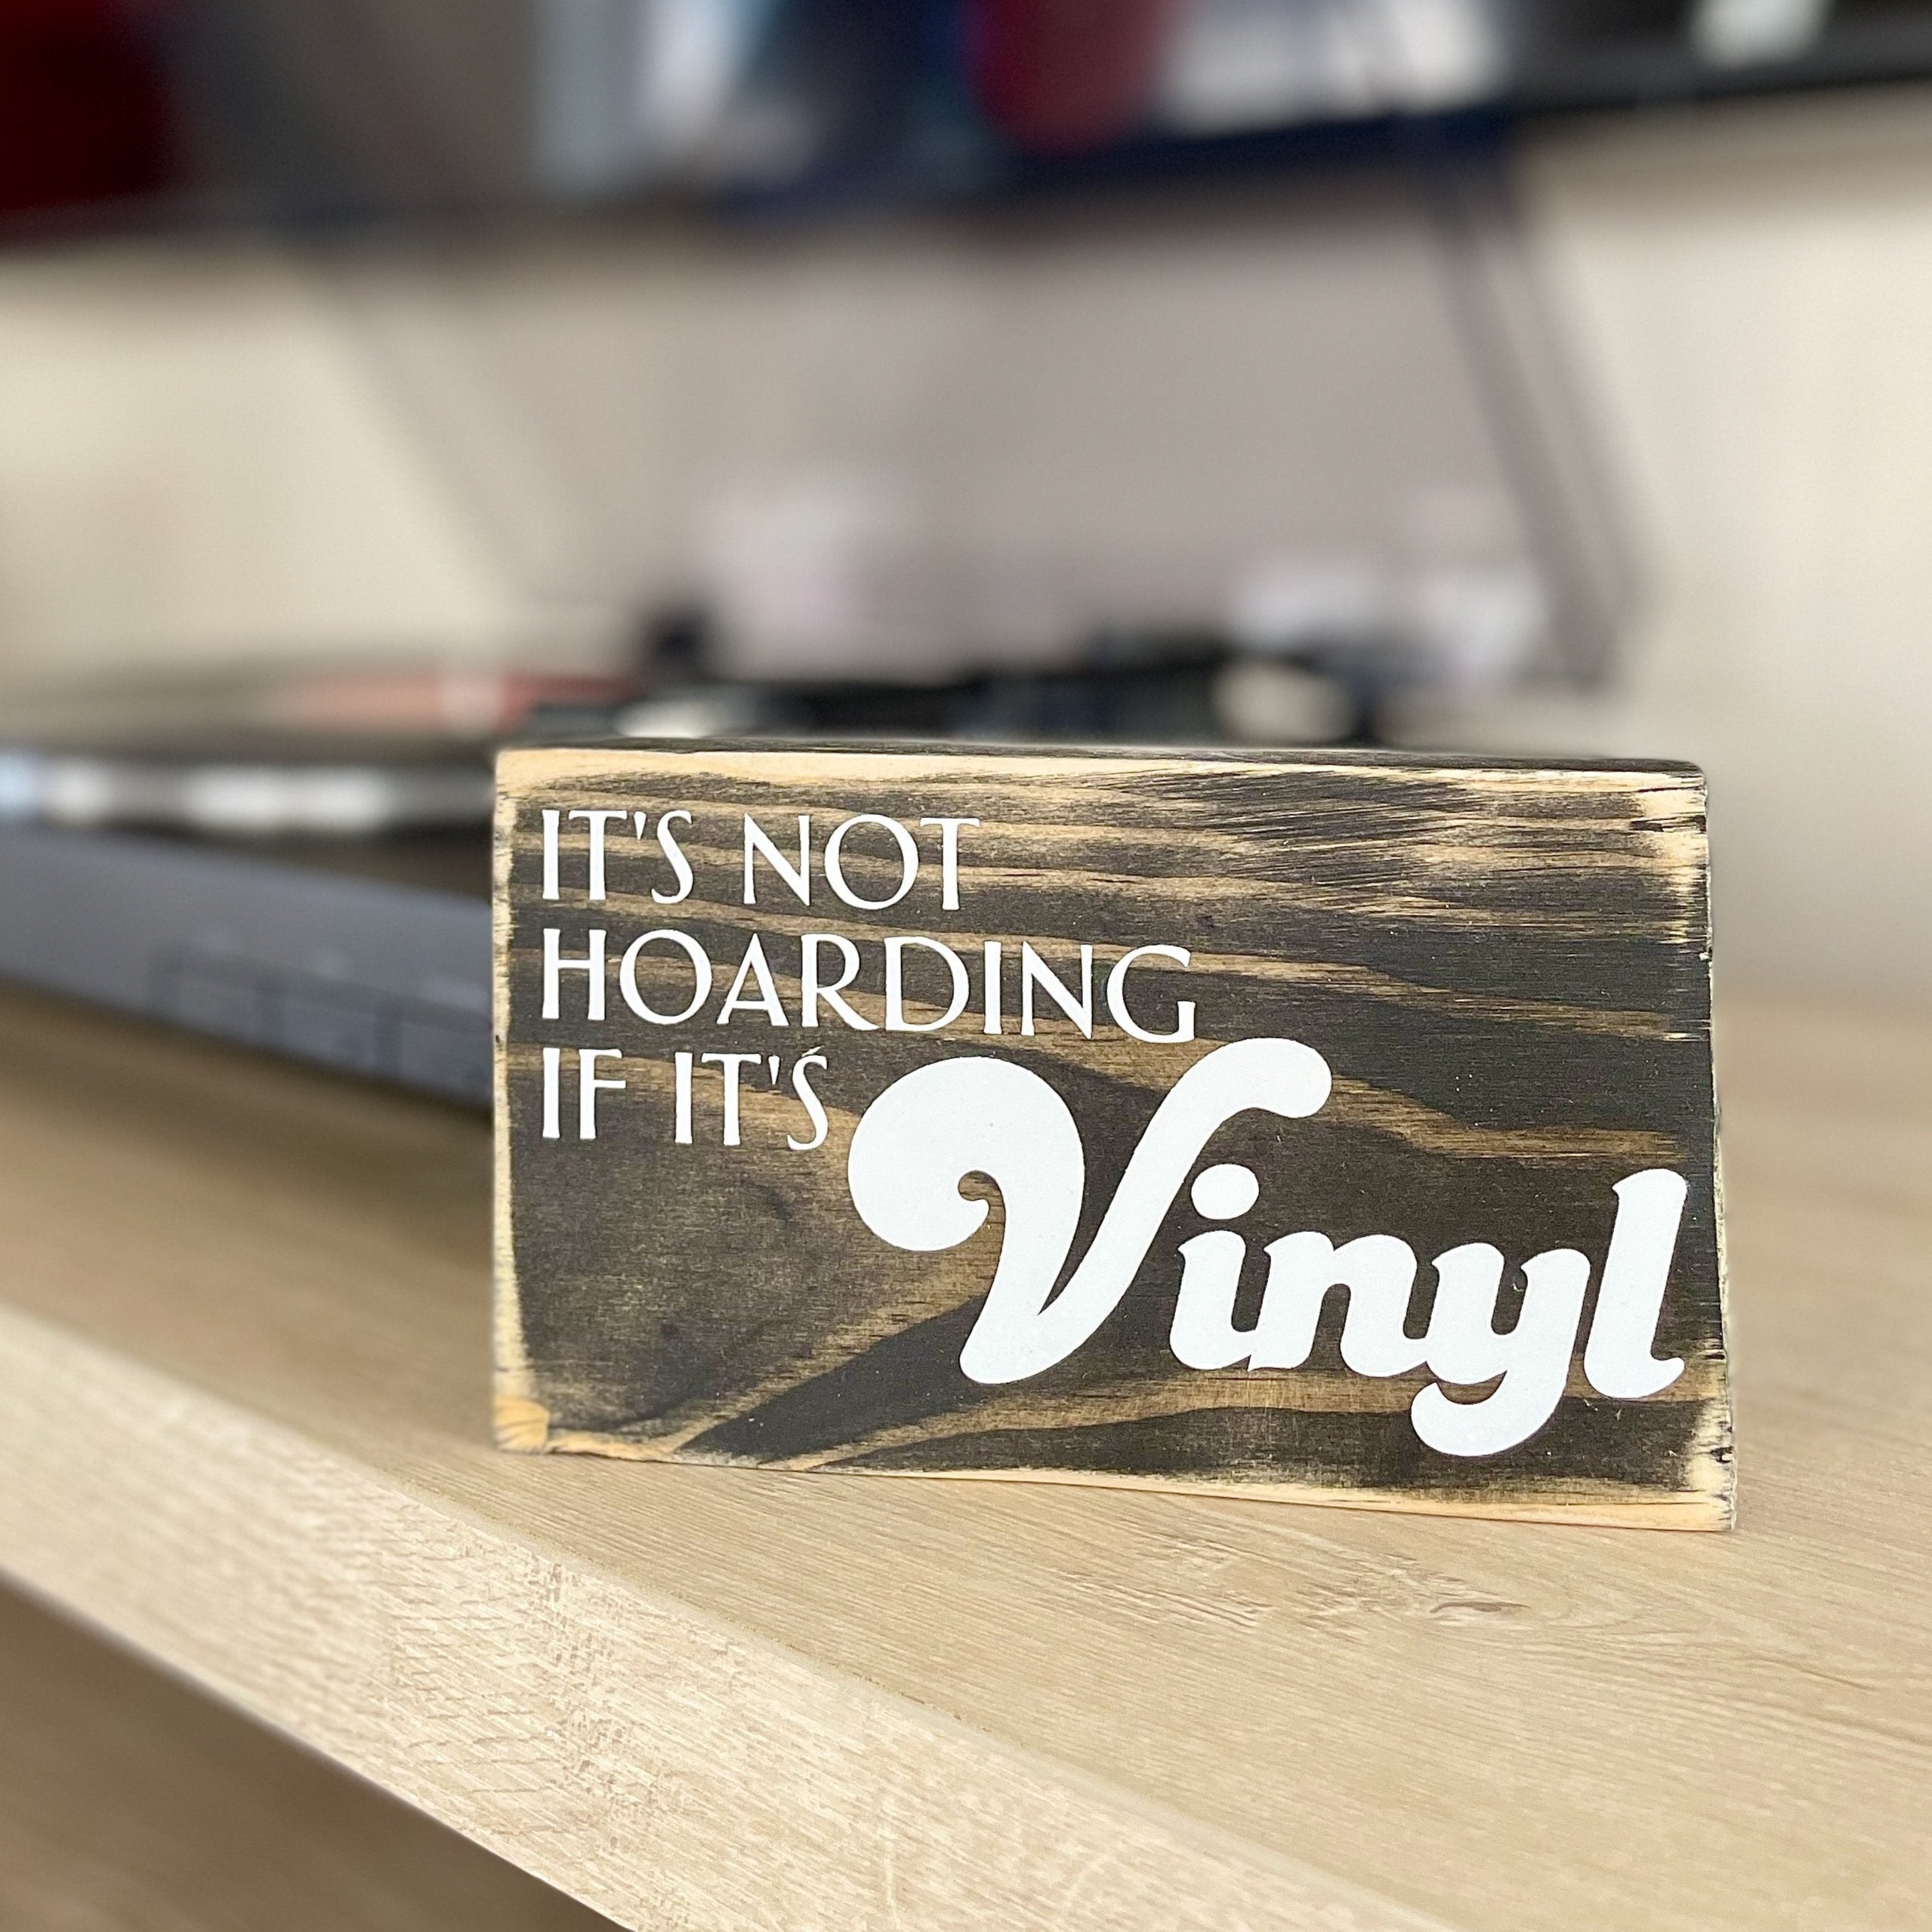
354 956
299 861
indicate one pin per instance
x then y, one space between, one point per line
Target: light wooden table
243 1392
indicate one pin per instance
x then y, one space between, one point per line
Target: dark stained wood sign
1321 1126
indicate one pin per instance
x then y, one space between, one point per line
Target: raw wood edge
1703 1510
520 767
1723 1446
521 1421
521 1425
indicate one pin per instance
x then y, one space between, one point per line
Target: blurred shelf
243 1394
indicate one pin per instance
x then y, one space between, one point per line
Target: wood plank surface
131 1803
243 1423
1492 979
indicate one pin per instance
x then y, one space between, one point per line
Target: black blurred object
675 648
1123 688
296 860
369 751
842 76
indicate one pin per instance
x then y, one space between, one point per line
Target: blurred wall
1749 297
208 449
874 444
197 460
885 444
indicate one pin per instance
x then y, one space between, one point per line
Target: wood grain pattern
1506 968
245 1333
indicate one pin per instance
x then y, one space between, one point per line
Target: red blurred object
83 103
1063 76
454 702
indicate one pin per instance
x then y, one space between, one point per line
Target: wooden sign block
1327 1126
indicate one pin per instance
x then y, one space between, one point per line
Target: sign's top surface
1328 1123
1341 758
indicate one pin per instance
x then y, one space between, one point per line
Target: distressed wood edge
608 1738
1719 1448
512 1377
525 1427
1723 1447
520 1423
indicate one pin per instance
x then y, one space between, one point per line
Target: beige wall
197 462
986 434
210 450
992 434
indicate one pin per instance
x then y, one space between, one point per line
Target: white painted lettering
1034 971
835 866
895 1021
555 965
701 975
813 988
753 967
798 878
589 1084
949 860
1183 1029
